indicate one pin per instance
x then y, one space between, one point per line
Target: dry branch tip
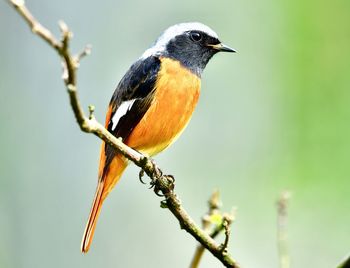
17 3
85 52
214 201
91 111
226 222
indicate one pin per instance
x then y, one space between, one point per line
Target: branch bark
162 183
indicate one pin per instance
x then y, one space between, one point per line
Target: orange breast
176 95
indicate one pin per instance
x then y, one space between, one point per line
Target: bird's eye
195 36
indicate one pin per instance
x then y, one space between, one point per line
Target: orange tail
104 186
91 224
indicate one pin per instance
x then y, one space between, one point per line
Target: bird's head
193 44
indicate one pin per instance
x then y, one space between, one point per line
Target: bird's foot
157 173
161 184
170 181
165 186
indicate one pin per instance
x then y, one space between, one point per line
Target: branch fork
214 222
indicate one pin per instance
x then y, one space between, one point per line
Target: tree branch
282 234
162 183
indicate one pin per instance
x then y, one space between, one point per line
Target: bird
153 103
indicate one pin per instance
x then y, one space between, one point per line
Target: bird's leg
157 173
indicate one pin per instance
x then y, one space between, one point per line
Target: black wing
137 85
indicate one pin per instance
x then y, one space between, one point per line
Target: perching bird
154 102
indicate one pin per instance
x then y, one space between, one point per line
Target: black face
193 49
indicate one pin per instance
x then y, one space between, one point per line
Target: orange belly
176 95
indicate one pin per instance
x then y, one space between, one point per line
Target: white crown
174 31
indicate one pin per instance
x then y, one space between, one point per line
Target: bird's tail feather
91 224
104 186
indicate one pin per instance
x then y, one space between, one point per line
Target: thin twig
91 112
226 222
282 234
34 25
85 52
220 222
163 183
214 205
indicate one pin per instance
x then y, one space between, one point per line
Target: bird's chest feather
176 95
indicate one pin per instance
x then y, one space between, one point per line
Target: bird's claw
170 185
154 181
141 174
171 181
156 175
158 191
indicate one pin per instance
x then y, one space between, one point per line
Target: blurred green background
274 116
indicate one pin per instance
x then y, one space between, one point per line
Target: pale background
273 116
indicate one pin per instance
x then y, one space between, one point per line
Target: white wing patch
122 110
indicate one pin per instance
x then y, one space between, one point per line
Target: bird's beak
222 48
